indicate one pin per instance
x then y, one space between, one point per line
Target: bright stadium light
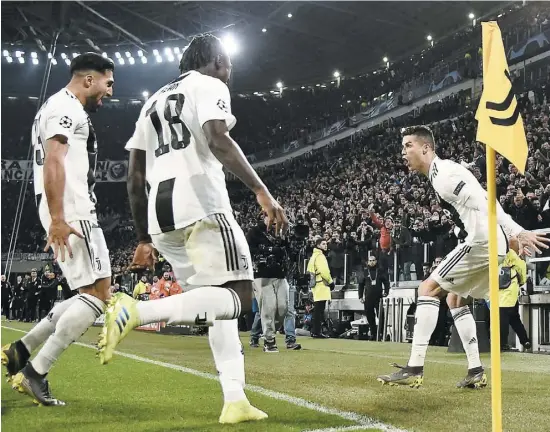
303 87
117 55
429 37
385 59
155 52
471 16
121 61
63 56
145 94
131 60
336 74
230 44
168 51
177 50
140 53
170 58
54 61
50 55
18 54
6 53
75 55
21 60
144 60
128 54
159 59
104 55
9 59
34 61
279 85
289 15
264 30
67 62
34 55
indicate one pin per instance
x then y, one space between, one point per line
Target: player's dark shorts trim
228 238
454 261
164 206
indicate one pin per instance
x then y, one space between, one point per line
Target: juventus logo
504 106
244 259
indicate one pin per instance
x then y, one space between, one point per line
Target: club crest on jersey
222 105
244 259
65 122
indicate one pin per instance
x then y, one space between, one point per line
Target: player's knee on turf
245 290
430 288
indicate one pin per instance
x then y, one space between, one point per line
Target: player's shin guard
229 358
78 317
199 306
427 312
41 331
466 328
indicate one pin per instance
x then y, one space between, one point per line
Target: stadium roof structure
294 42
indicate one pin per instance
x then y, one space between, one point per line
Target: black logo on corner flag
504 106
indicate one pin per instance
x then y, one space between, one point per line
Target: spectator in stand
7 297
141 288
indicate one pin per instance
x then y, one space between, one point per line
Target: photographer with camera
270 261
321 285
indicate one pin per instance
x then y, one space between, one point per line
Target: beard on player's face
92 103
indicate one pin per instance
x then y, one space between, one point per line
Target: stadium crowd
355 192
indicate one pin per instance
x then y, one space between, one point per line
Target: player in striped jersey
465 271
180 146
65 151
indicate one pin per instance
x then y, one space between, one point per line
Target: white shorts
465 270
212 251
90 260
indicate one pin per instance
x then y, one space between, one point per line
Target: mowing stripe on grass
363 421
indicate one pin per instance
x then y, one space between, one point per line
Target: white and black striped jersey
186 180
458 191
63 114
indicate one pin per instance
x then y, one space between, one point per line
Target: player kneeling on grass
179 148
465 270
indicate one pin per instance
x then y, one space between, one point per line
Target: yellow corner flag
499 122
500 127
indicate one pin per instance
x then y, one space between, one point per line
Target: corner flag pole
496 372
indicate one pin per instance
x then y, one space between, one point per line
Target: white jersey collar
432 165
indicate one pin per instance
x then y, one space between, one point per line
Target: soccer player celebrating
180 145
465 270
65 153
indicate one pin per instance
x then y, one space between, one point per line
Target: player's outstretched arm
145 255
54 187
228 152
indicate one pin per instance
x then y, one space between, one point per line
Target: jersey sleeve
459 188
60 119
137 141
213 102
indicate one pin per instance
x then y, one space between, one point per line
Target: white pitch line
338 429
364 422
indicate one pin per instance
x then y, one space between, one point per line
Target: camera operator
318 269
270 261
373 287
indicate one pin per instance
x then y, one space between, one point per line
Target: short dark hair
421 131
201 51
319 240
91 61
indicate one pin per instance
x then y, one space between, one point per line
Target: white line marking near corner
363 422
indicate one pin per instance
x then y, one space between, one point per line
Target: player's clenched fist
145 257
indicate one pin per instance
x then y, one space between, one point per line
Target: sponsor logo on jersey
222 105
458 188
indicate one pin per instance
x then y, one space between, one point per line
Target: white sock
78 317
229 358
41 331
216 303
426 315
466 328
